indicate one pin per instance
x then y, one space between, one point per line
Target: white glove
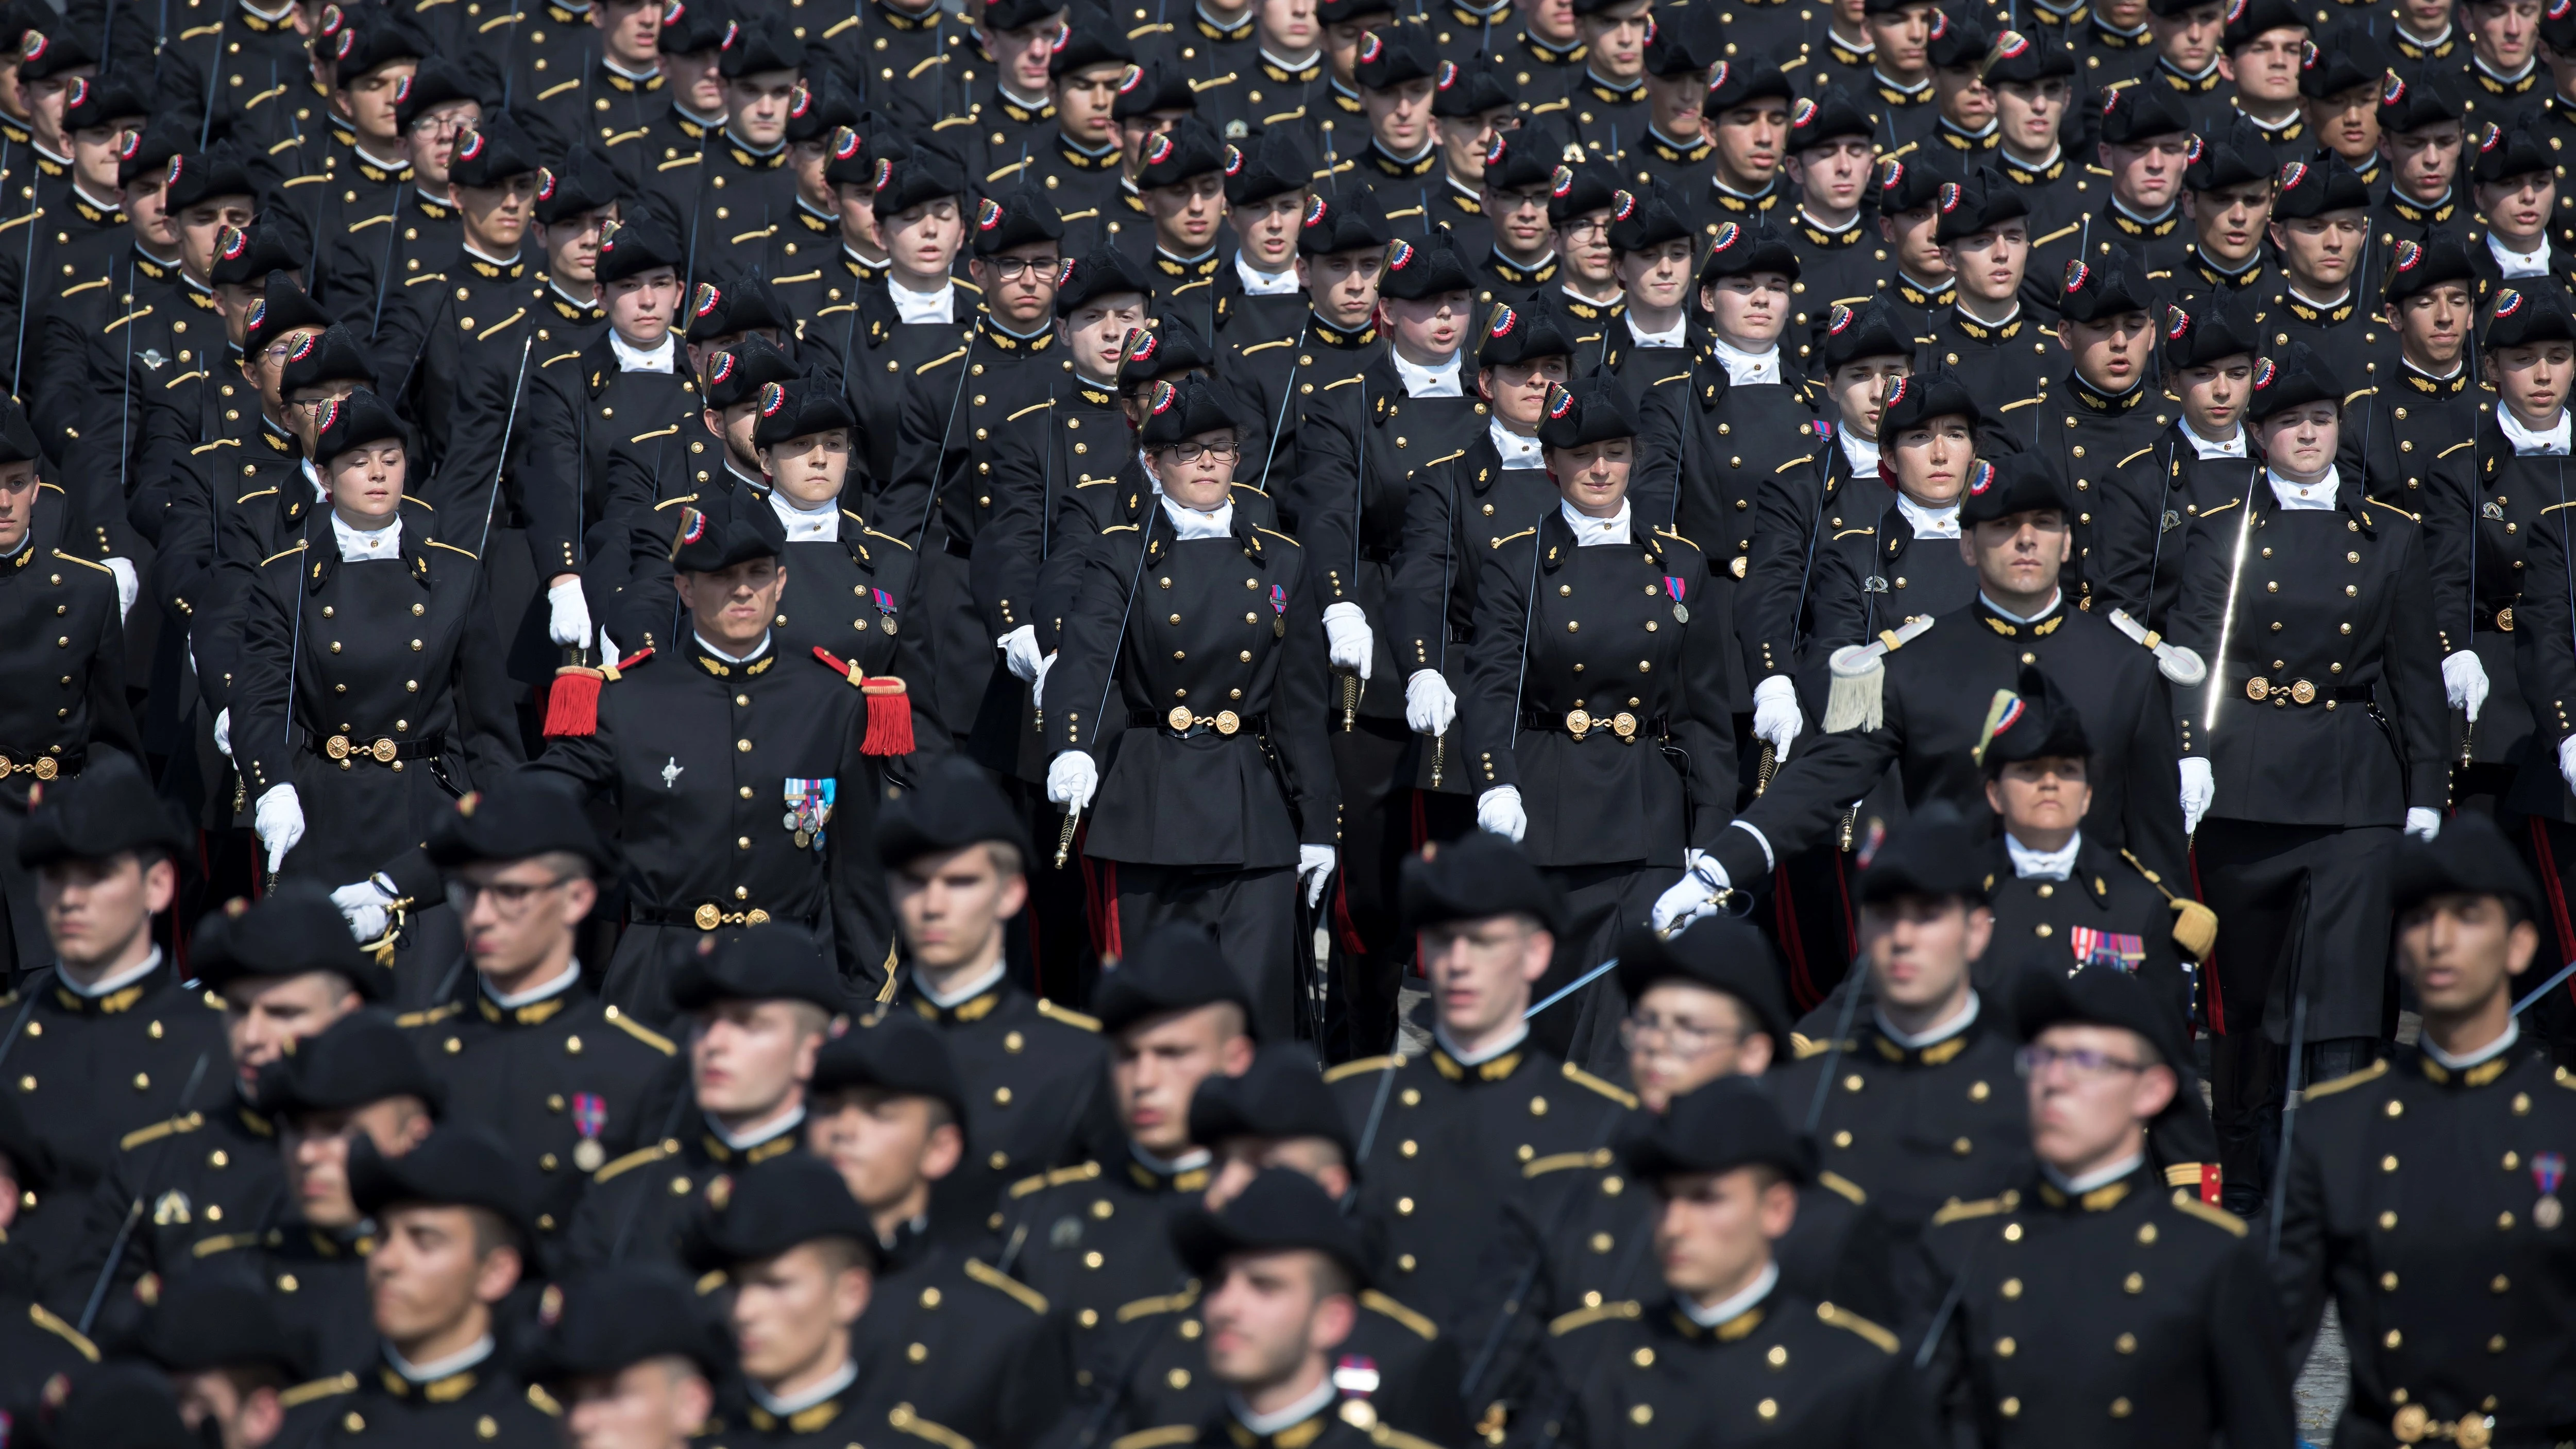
1037 684
224 731
1499 810
1430 705
1072 780
1354 645
2465 680
129 585
1314 868
1693 896
1775 715
1020 652
279 820
368 907
2198 789
608 648
2422 823
567 613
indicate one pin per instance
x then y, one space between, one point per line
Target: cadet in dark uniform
1341 255
2339 80
1680 71
633 1347
964 1343
1728 1353
956 857
2424 411
1987 335
225 1347
783 748
525 1053
2198 462
1443 1138
1906 563
1623 787
2103 409
284 970
1908 198
2227 190
2146 143
1268 181
455 1239
1520 258
1074 164
2419 124
1279 1115
2425 1195
1090 1237
922 211
331 698
2051 889
2306 749
1830 161
2320 224
2090 1304
1219 805
2032 74
105 1041
1284 1366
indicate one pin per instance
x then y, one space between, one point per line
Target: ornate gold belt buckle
2504 618
1578 722
45 767
383 750
2303 693
756 917
1179 719
707 917
8 768
1624 725
337 747
1227 722
2258 688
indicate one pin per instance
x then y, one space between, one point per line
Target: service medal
2548 1171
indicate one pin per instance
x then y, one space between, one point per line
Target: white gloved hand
1354 645
1314 868
1776 720
279 820
1693 896
1020 652
1072 780
2198 789
224 731
2464 678
1430 705
129 585
567 613
367 906
1037 684
1499 810
2423 823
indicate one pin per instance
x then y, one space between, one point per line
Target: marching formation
1303 723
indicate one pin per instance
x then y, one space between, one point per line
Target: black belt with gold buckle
1583 724
2301 691
348 749
2415 1424
41 767
1183 724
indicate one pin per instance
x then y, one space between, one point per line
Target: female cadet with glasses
1596 721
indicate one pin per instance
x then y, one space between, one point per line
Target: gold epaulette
1068 1016
1566 1323
1077 1173
1842 1186
2188 1200
1365 1064
1850 1322
640 1157
646 1035
1955 1211
2354 1079
1612 1090
1561 1161
1376 1302
317 1390
1002 1282
158 1130
431 1017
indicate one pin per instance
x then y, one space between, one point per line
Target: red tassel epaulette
572 702
889 706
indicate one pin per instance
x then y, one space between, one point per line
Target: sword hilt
1064 838
1762 775
1439 752
1350 700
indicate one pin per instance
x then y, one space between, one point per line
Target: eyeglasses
1193 452
1587 228
1009 269
2082 1064
440 125
1679 1038
1522 200
509 898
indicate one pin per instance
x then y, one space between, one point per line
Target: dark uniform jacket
1878 576
880 352
62 647
1786 1371
566 1080
2089 434
197 1176
2108 912
2427 1203
2141 524
1933 699
484 1404
1442 1147
1349 1422
1798 506
2126 1315
580 404
1274 381
1915 1127
317 1280
350 670
2001 365
88 1070
1456 511
966 1345
639 1204
1095 1237
1227 630
1036 1077
1618 736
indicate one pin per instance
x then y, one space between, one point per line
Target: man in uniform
1518 185
1729 1351
1830 161
2088 1301
105 1041
2146 145
2339 79
2320 228
2032 76
922 212
2420 135
761 1003
1986 335
524 1051
2200 462
1744 125
629 1357
2227 193
2102 409
2425 1194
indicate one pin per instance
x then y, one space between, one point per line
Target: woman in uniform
1596 719
1904 562
370 691
1192 663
